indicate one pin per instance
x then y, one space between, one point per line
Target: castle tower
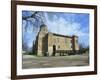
42 43
75 42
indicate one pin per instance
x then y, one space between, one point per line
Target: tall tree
35 18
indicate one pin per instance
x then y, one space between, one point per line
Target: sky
58 22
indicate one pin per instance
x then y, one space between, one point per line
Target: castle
47 42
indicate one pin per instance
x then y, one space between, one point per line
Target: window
70 45
44 29
58 46
76 41
71 41
65 40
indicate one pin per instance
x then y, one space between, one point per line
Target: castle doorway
54 50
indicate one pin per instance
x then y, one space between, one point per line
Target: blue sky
60 23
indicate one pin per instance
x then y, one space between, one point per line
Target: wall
5 43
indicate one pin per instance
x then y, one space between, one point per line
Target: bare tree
36 19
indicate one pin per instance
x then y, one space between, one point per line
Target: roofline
61 35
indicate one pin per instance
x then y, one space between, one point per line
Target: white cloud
62 26
66 27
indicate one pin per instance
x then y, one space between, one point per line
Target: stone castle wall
47 40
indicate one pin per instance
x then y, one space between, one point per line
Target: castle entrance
54 50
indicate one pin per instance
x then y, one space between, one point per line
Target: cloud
66 26
60 23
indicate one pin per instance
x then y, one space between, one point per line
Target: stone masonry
47 41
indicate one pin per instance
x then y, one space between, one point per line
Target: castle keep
47 42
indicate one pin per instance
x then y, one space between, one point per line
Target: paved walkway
30 61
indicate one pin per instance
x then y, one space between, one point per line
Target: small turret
43 28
